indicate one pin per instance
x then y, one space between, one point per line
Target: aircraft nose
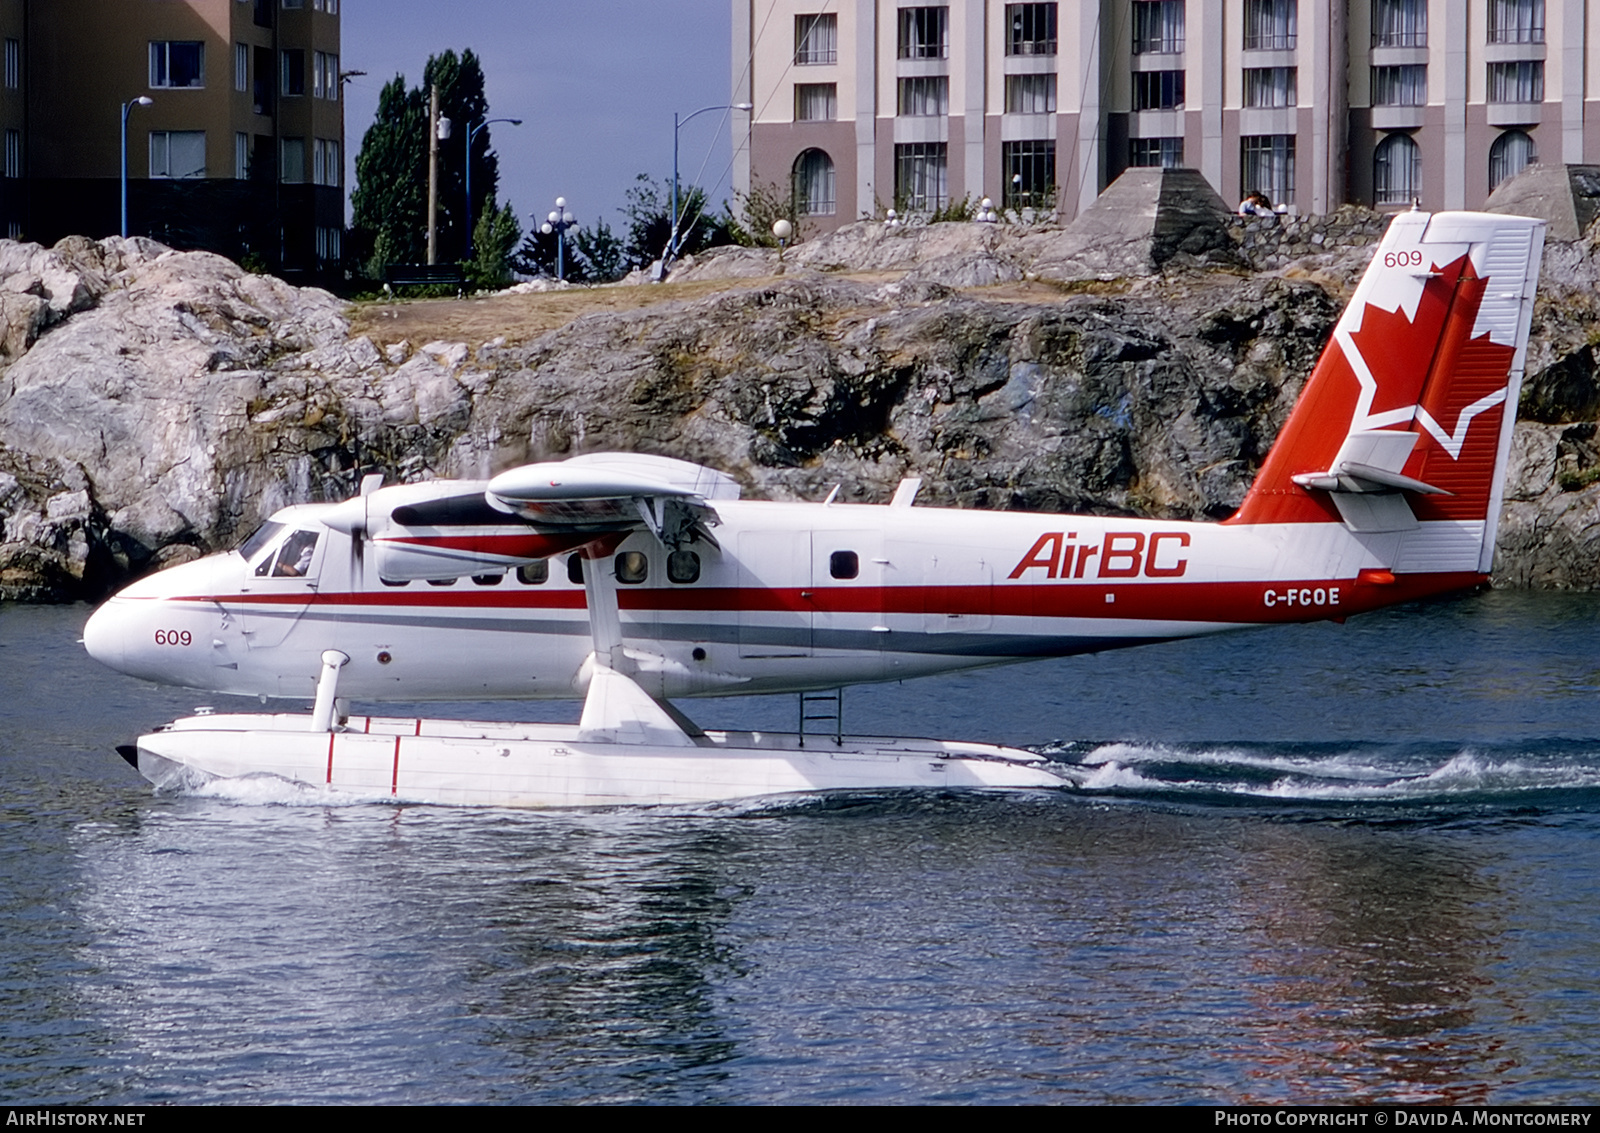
104 637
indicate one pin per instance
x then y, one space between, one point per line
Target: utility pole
433 175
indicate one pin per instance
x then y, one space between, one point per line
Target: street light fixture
558 222
677 123
127 108
472 132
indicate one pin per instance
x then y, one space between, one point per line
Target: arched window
1397 171
1512 152
813 184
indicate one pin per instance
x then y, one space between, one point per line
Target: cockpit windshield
293 559
265 534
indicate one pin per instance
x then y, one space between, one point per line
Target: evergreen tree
494 238
390 198
389 203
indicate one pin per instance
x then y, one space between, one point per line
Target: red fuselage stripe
1257 601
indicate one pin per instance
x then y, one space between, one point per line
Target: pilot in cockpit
294 561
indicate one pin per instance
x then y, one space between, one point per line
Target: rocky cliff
155 405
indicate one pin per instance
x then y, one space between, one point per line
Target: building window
1270 87
816 39
241 66
816 102
294 3
1516 21
1269 25
261 87
814 184
1512 152
292 163
1030 170
921 176
1396 171
325 75
1157 27
1399 23
1162 153
1030 29
1400 86
241 157
175 63
329 6
925 33
293 71
326 163
927 96
1030 94
1522 81
13 63
178 153
1267 166
1158 90
13 153
329 254
263 13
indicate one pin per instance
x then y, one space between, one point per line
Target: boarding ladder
820 708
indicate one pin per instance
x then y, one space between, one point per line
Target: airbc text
1119 554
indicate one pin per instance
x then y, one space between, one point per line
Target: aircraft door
278 587
851 572
774 600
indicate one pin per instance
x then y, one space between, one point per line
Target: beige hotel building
864 105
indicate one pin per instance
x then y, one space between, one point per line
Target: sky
595 83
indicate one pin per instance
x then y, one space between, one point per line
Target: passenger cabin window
488 579
683 567
633 567
441 582
536 573
293 559
575 569
844 564
395 581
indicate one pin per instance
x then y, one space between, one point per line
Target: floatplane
634 581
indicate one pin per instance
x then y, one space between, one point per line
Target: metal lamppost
558 222
677 123
127 108
472 132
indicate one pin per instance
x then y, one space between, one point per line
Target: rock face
156 405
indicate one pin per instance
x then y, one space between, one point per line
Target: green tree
494 238
649 213
389 203
601 252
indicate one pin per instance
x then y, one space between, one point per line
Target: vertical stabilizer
1405 423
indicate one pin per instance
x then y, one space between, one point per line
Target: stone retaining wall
1271 242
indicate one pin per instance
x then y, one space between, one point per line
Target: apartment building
240 150
863 105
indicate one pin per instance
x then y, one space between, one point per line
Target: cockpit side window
294 558
265 534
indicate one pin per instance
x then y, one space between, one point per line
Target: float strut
327 690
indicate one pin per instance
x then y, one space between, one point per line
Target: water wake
1541 773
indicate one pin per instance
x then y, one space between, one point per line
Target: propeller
353 519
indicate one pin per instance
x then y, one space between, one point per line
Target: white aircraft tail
1405 423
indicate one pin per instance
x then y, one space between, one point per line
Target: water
1305 864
